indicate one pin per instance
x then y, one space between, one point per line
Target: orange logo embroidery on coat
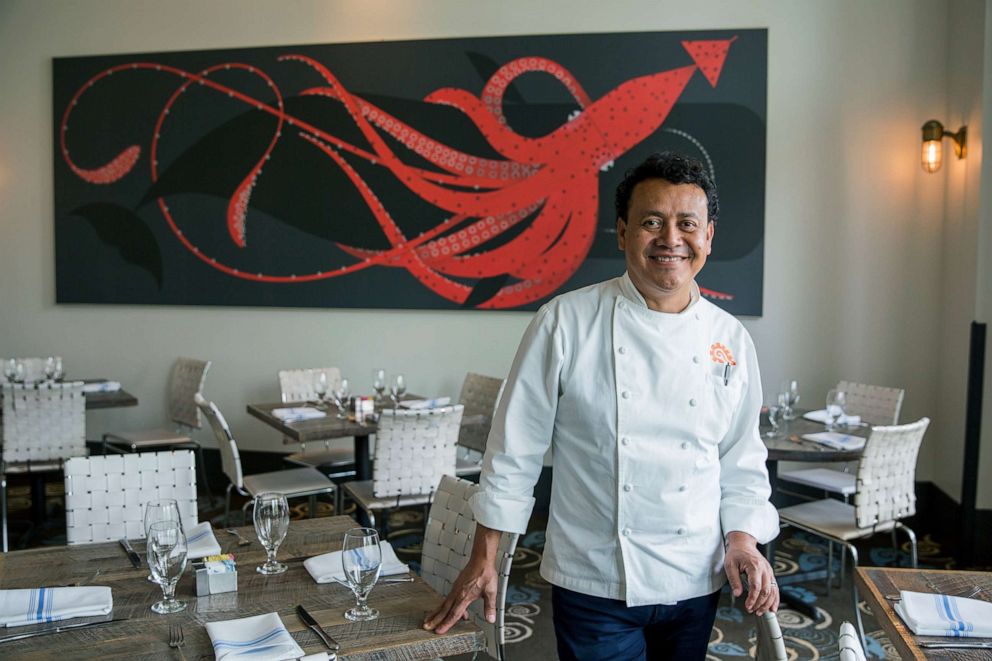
721 354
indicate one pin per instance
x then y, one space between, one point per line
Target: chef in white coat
648 396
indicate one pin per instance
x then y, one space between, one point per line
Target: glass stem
361 606
272 556
169 592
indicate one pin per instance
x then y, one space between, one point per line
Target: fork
242 541
176 638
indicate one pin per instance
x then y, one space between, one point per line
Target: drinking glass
166 546
836 402
156 511
10 369
774 416
271 525
320 385
791 389
361 559
341 395
398 389
59 371
50 368
379 383
20 372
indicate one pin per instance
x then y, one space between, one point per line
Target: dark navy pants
593 628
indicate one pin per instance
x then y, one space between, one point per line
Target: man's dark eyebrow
680 214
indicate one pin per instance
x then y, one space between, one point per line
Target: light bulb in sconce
933 149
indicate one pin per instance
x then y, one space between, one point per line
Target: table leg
363 470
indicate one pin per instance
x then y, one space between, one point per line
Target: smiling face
666 238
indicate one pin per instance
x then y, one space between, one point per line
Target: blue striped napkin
944 615
298 413
34 605
201 541
258 637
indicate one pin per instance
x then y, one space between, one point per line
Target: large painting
444 174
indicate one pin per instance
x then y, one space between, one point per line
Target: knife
312 623
59 629
942 645
131 553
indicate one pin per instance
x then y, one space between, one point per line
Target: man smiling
648 396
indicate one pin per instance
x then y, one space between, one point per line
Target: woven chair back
188 376
479 396
413 449
886 483
43 422
877 405
300 385
230 458
447 545
105 496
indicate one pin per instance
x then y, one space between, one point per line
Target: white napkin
821 417
943 615
298 413
327 567
258 637
33 605
200 541
836 440
425 403
102 386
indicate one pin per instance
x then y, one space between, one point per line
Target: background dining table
137 632
790 445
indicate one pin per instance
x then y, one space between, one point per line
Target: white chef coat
655 456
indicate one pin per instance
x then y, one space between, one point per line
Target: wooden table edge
887 618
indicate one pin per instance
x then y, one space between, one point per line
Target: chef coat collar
630 291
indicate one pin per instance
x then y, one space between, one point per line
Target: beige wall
854 227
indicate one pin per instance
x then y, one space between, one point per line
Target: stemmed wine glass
53 368
166 547
320 386
271 525
10 369
341 394
836 402
398 389
20 372
361 559
379 383
158 511
791 390
774 417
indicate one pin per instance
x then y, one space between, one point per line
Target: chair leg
312 501
854 592
830 566
914 552
3 507
227 506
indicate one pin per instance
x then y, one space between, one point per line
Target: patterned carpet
800 567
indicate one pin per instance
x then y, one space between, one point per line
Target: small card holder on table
216 574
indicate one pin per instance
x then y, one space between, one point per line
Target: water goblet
361 559
50 368
59 372
379 383
167 552
836 402
157 511
271 525
10 369
320 385
341 395
774 416
791 389
398 389
20 372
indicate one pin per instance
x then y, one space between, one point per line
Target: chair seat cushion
830 517
823 478
148 438
290 483
328 457
361 493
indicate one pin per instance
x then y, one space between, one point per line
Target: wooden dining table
136 632
879 586
790 445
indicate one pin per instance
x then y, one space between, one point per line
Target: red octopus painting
280 177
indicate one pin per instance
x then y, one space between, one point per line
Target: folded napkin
836 440
102 386
258 637
821 417
425 403
30 606
943 615
327 567
298 413
200 541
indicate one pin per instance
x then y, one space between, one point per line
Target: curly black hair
670 166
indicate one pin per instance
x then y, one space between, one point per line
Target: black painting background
113 245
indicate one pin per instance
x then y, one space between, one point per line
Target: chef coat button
625 441
685 445
625 394
628 488
692 402
695 359
681 531
622 350
697 316
683 488
626 532
621 305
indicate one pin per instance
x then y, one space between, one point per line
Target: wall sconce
933 152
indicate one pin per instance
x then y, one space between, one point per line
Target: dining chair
188 376
335 457
849 644
884 495
876 405
105 496
447 546
479 396
292 483
770 645
413 449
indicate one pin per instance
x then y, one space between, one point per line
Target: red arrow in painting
709 56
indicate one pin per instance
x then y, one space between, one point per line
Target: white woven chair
876 405
336 457
293 483
479 396
43 425
447 545
885 494
105 496
849 644
188 376
34 368
770 646
413 449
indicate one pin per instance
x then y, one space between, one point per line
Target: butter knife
309 620
58 629
957 646
131 553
